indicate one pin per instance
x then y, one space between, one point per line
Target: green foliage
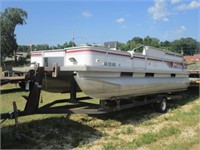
42 47
26 48
10 18
135 42
165 45
23 48
151 41
109 146
187 46
187 118
151 137
65 45
122 46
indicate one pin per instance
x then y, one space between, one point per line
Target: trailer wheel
161 106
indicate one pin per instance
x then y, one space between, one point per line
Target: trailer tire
161 106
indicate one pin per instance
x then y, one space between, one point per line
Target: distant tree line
187 46
37 47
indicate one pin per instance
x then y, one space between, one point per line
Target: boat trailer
78 105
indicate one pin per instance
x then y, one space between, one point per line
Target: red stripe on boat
89 50
38 54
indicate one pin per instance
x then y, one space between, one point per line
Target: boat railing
132 52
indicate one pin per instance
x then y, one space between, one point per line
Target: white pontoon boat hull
113 74
125 87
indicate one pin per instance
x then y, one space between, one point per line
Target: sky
97 21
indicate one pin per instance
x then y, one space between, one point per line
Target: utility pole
73 38
30 47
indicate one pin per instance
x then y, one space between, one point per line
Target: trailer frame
79 106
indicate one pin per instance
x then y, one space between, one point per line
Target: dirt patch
188 133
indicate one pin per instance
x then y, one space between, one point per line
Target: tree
42 47
71 44
155 42
148 41
188 46
23 48
133 43
165 45
10 18
122 46
65 45
59 46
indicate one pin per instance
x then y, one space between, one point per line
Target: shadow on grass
138 115
50 133
14 90
135 115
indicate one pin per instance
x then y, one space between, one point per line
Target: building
192 59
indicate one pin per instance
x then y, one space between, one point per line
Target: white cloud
159 10
182 29
120 20
175 1
86 14
192 5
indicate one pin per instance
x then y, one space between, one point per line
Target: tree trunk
15 56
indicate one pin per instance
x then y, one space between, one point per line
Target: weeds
148 123
128 130
150 137
109 146
111 123
187 118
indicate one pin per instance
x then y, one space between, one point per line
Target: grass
109 146
192 143
151 137
128 130
187 118
148 123
135 128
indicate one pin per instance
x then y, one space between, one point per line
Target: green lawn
137 128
